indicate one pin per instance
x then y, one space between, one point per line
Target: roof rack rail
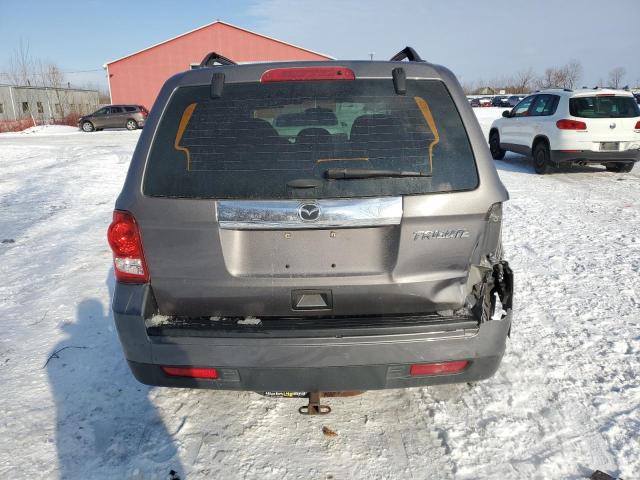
212 59
408 53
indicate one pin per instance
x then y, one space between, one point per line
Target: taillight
307 74
125 242
442 368
565 124
637 127
191 372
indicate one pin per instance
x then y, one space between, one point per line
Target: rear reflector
565 124
307 74
438 368
191 372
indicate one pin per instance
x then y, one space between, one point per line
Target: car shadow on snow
107 427
514 162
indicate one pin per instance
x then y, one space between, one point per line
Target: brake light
637 127
191 372
442 368
307 74
125 242
565 124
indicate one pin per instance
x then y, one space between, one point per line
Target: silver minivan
309 227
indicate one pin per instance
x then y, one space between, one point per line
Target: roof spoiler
212 59
408 53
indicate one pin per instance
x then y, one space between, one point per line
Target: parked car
474 102
130 117
499 101
637 97
486 102
249 258
512 101
556 127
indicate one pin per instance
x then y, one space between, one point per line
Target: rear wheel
131 124
619 167
494 145
541 158
87 127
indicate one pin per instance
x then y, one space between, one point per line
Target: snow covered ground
565 401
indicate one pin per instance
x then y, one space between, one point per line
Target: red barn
138 77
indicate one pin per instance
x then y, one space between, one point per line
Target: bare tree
565 76
523 81
468 87
548 79
573 74
55 79
21 66
22 71
615 77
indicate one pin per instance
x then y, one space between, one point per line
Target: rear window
255 138
604 106
131 109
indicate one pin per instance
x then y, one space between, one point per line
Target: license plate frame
609 146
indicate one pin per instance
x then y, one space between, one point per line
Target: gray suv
311 227
130 117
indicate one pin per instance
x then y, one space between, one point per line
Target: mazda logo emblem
309 212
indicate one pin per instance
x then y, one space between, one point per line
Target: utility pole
371 55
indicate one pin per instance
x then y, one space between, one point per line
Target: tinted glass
257 137
544 105
116 109
130 109
522 109
604 106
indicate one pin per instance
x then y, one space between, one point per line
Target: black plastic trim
559 157
308 327
408 53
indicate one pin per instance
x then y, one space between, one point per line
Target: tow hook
315 407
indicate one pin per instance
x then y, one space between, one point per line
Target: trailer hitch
314 407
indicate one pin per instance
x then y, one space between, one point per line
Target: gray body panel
205 259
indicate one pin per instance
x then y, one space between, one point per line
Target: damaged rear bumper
377 355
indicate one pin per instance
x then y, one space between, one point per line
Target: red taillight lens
307 74
565 124
442 368
125 242
637 127
191 372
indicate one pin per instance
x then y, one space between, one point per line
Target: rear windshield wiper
348 173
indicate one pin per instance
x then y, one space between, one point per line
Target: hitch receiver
315 407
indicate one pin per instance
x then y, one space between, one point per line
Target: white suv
559 126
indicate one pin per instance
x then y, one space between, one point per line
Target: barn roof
211 25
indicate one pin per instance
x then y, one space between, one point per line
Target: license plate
609 146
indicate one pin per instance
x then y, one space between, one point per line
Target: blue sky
476 39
